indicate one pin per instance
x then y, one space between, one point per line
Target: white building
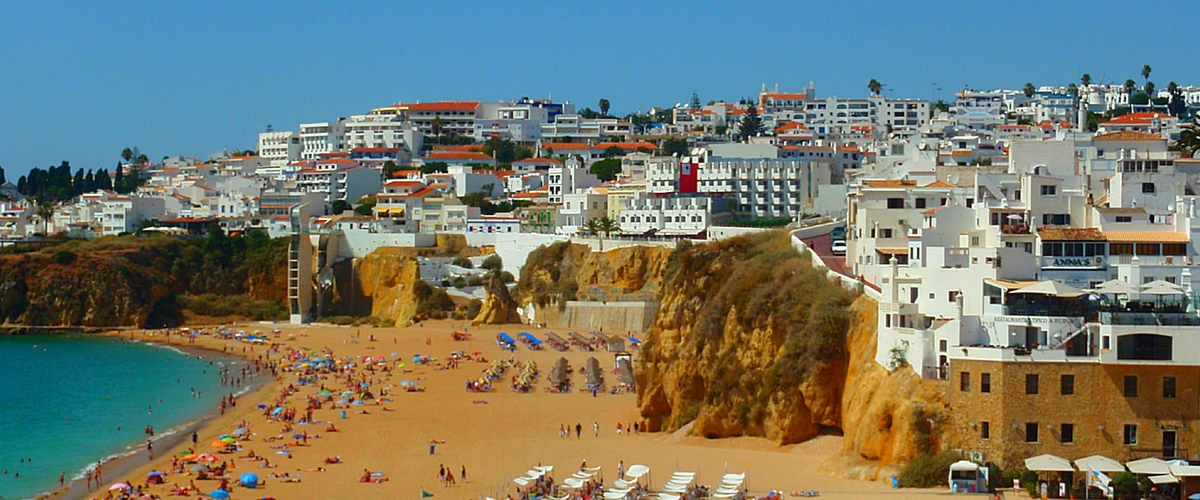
279 148
380 131
340 179
765 187
672 216
320 138
579 207
123 214
570 178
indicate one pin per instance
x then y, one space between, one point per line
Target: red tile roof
458 155
477 148
538 161
337 161
1128 135
444 106
566 146
790 126
785 96
1139 118
631 146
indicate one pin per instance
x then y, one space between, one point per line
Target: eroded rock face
499 307
750 340
888 417
385 279
98 290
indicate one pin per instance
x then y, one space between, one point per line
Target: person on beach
463 473
578 430
596 428
62 477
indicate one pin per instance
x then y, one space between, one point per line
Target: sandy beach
496 436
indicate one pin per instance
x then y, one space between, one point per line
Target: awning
397 211
1049 463
964 465
1164 479
1100 464
1053 288
1112 287
1184 470
1149 466
1009 285
892 250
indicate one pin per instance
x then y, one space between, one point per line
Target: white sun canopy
1048 463
1100 463
1149 466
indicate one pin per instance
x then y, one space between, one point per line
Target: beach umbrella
118 486
297 436
220 444
229 439
189 457
277 410
241 431
207 457
249 480
198 468
219 494
224 437
154 473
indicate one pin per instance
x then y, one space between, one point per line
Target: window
1049 190
1168 387
1124 218
920 202
1131 386
1130 434
1031 432
1031 384
1068 385
985 430
1067 433
1148 187
985 382
1056 219
965 381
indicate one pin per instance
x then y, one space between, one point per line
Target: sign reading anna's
1071 262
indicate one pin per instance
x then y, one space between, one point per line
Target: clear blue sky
82 80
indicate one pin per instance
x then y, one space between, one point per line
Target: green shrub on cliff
214 305
928 471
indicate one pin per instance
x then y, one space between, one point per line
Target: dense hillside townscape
930 282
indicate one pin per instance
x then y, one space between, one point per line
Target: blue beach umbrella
249 480
219 494
262 406
154 473
277 410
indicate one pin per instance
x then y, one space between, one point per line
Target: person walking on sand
596 428
442 474
562 430
618 428
62 477
578 430
463 473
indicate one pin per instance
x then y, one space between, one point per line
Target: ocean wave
134 449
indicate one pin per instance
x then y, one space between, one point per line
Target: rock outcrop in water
750 339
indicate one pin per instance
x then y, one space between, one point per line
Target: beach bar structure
625 373
560 376
595 381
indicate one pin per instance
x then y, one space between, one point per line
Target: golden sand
496 441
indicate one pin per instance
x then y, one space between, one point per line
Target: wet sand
497 436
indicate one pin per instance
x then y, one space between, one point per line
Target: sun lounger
615 495
724 495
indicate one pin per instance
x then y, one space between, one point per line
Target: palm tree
1172 87
1149 89
1085 80
1130 85
1029 89
1073 90
601 228
45 210
1189 140
436 127
603 106
874 86
1146 72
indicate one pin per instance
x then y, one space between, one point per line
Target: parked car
839 247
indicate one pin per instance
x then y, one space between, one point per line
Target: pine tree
89 181
751 124
118 183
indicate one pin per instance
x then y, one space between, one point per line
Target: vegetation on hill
144 281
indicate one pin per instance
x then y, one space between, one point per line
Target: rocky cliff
499 307
750 339
888 417
132 281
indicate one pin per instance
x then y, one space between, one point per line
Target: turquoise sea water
67 401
